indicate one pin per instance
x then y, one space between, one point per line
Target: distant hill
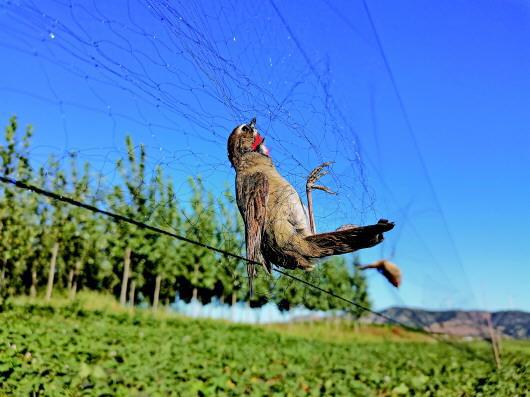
513 324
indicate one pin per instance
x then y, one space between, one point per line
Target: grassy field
94 348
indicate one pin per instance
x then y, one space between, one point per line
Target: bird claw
323 188
316 174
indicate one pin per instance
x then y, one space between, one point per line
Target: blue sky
178 77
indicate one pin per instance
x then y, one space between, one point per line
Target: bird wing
252 198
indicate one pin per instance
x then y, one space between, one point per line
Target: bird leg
376 265
314 176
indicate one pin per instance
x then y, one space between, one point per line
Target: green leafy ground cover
72 350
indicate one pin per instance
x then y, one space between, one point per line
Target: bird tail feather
347 240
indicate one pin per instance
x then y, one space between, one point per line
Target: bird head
245 138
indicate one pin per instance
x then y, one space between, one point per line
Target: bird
388 269
278 230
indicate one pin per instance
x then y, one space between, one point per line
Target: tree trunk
222 300
195 278
3 274
73 291
498 336
158 280
131 293
70 279
493 340
33 288
51 274
233 308
125 279
73 287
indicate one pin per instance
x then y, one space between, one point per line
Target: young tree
84 240
200 263
57 236
132 200
164 253
17 211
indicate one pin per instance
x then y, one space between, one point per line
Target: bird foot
315 175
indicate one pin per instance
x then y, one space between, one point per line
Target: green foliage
17 211
70 350
92 248
52 351
201 222
334 275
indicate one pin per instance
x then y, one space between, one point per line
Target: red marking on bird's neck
258 140
258 145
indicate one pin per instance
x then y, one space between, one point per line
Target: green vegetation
99 348
84 344
88 343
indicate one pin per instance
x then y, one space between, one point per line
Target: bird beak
258 145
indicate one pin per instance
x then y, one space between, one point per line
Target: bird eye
245 128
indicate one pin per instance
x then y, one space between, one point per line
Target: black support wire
120 218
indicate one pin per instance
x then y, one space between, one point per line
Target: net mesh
178 76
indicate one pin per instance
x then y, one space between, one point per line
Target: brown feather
343 241
252 196
388 269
